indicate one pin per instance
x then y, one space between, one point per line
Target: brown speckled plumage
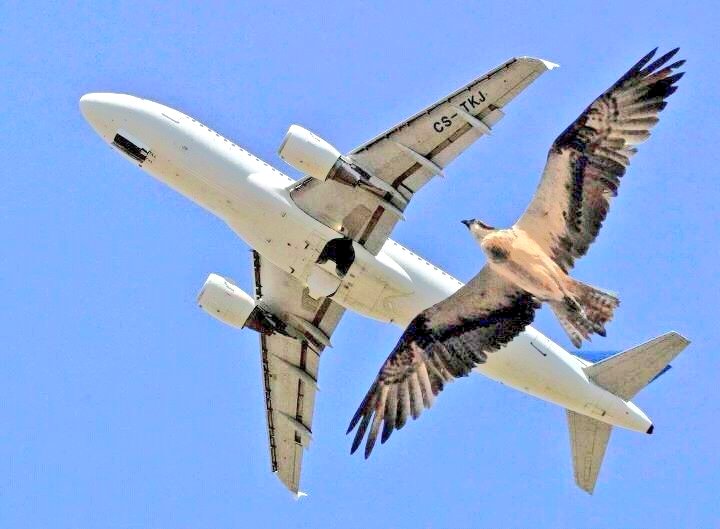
529 262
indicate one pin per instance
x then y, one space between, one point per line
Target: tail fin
626 373
623 374
586 312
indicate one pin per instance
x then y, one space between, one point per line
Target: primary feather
443 343
529 262
587 161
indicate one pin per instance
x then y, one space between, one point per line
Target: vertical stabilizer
588 439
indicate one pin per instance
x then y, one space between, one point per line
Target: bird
528 263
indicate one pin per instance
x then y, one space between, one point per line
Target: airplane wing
408 155
290 367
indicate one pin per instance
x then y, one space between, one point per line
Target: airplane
321 246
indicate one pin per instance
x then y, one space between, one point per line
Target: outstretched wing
442 343
411 153
290 367
588 159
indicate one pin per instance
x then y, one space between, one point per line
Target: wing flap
439 132
409 154
436 131
290 401
290 368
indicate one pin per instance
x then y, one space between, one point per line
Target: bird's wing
587 160
442 343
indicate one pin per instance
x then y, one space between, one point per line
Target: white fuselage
394 286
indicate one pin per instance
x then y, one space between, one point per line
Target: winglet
547 64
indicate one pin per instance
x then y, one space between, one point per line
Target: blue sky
124 406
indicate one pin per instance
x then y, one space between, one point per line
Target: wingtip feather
659 62
354 420
369 448
386 433
676 64
642 62
356 443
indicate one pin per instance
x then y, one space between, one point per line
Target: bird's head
478 228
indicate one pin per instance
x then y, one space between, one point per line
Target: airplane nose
92 107
105 111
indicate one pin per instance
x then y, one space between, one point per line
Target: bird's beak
467 222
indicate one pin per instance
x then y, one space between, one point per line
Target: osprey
528 263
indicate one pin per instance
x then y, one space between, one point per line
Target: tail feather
599 304
573 319
585 312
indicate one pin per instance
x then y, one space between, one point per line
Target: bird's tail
585 312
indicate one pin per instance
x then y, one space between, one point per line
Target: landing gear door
321 283
330 267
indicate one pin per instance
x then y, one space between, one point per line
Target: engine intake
308 153
225 301
315 157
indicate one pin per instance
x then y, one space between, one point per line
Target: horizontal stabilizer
626 373
588 439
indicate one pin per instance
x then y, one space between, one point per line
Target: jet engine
308 153
315 157
225 301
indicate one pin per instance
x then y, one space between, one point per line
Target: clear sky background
123 405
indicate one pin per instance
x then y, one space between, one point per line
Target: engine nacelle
318 159
308 153
225 301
